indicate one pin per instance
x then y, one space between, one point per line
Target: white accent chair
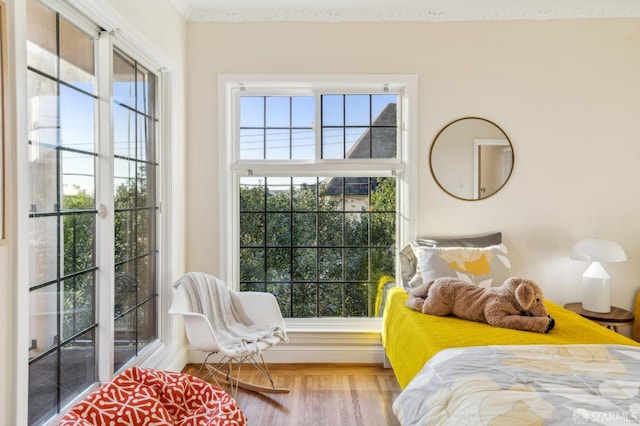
262 309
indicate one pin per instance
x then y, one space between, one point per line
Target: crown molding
180 6
422 15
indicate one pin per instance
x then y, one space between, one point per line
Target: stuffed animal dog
517 304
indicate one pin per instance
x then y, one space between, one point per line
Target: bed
452 369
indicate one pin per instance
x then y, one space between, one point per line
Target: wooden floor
320 395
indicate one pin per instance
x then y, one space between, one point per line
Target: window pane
356 229
252 267
384 143
44 183
79 233
303 111
357 110
330 264
253 229
124 135
78 180
357 264
277 143
124 85
278 111
332 110
125 183
331 194
276 258
79 303
383 109
43 389
43 317
43 110
278 193
303 144
144 228
369 130
304 264
126 286
307 246
276 127
146 89
77 366
278 229
77 126
146 277
124 340
146 322
41 34
252 143
145 138
252 194
332 143
357 142
304 229
125 242
305 301
304 194
330 300
356 299
43 245
76 57
252 111
145 188
330 229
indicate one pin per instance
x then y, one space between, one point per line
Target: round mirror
471 158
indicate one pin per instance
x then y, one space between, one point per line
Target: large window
134 123
87 246
62 157
316 184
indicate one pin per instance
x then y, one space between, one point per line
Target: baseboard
168 357
312 347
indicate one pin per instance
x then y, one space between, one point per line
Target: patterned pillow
144 396
410 272
483 266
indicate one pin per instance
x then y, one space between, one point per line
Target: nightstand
618 317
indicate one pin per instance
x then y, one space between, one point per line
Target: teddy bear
517 304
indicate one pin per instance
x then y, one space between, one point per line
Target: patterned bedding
525 384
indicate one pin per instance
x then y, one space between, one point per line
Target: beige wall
567 93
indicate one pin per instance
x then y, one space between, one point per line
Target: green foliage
317 258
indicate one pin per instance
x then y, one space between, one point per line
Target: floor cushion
143 396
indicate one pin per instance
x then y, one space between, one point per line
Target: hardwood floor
320 395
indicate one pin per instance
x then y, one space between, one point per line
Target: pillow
483 266
410 273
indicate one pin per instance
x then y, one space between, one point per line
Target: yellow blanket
411 338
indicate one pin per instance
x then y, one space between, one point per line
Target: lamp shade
597 249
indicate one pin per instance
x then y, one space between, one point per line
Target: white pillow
482 266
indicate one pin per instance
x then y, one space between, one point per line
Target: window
135 204
62 156
79 257
318 185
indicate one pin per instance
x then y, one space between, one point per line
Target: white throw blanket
235 332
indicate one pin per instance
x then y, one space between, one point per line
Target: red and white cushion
143 396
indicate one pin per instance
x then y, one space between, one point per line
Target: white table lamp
596 292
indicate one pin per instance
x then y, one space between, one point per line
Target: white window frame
89 16
232 168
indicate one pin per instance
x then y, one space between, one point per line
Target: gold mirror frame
471 158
